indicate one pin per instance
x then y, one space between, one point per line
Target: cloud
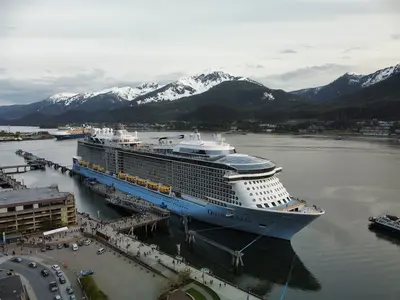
302 77
288 51
20 91
255 66
351 49
395 37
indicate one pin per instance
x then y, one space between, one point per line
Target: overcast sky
74 46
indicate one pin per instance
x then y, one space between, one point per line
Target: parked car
74 247
101 251
86 272
72 297
44 272
59 246
59 273
57 297
56 267
70 291
49 247
88 242
43 249
62 280
33 264
80 243
66 245
17 259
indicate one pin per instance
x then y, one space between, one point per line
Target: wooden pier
6 181
36 160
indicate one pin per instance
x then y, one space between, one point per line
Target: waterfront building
36 209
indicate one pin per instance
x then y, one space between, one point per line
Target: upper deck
215 153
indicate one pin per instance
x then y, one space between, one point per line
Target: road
39 283
119 278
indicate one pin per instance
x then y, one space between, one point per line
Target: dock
36 160
155 259
6 181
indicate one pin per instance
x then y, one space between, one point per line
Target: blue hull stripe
260 222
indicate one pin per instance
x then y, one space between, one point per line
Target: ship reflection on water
383 234
267 262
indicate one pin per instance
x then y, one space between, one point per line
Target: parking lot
118 277
38 282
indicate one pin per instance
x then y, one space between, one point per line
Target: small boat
121 175
152 185
165 189
388 222
141 182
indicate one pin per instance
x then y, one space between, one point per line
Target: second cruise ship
206 180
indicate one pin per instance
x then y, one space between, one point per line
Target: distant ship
206 180
68 133
387 222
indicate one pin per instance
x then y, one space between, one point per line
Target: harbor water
336 257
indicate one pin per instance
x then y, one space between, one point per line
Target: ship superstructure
206 180
67 133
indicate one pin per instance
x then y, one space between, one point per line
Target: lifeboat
165 189
85 164
121 175
94 167
141 182
81 162
152 185
100 169
130 178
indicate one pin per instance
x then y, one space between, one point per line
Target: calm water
336 257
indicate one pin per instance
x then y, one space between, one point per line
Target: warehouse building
36 209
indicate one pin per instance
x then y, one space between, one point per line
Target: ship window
279 201
259 206
248 189
251 194
254 200
273 203
266 205
245 183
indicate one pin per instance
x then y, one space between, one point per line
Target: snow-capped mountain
123 93
347 83
187 86
116 97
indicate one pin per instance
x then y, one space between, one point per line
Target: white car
74 247
56 267
88 242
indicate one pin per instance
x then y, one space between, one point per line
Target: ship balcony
300 206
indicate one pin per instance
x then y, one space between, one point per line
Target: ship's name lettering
240 218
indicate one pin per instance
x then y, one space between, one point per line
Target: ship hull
70 136
282 225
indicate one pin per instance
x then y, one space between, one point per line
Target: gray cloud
18 91
301 78
351 49
395 37
256 66
168 77
288 51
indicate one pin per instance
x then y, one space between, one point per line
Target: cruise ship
67 133
204 180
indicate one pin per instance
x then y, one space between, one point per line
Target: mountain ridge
346 84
